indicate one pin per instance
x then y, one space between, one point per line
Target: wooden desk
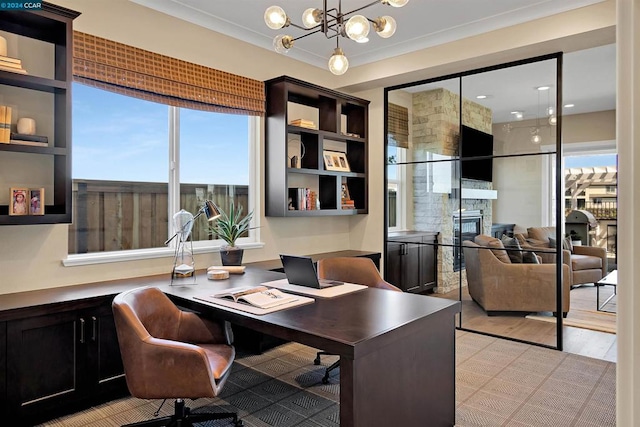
397 350
397 358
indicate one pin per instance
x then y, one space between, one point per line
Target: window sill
140 254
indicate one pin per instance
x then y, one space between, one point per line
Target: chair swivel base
334 365
182 417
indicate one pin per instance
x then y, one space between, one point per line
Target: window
136 163
396 175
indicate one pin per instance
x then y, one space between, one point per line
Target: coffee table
610 279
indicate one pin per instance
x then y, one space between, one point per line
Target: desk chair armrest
170 369
196 329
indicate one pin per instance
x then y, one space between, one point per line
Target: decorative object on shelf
36 201
229 228
183 261
335 161
3 46
332 22
296 146
18 204
26 126
303 199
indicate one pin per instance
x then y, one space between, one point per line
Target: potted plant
229 227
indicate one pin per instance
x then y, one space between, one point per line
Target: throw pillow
498 250
552 242
567 244
529 257
514 250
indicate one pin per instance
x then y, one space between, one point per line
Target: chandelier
332 23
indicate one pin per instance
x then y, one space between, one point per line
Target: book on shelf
13 70
348 204
303 199
303 123
33 138
4 58
257 296
31 143
10 64
5 123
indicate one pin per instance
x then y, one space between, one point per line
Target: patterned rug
498 383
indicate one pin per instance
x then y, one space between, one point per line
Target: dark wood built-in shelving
341 124
51 25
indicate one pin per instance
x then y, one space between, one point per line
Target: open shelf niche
308 129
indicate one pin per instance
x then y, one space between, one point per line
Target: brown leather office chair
170 353
359 270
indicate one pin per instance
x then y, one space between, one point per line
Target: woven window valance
143 74
398 125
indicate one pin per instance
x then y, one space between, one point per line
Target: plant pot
231 255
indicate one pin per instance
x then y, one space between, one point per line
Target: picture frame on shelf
36 201
18 203
335 161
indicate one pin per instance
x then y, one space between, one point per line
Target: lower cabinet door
411 267
105 362
43 363
393 265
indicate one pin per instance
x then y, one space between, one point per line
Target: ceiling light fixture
482 96
569 105
332 22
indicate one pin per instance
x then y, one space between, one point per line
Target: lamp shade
311 17
275 17
357 28
396 3
211 211
338 63
385 26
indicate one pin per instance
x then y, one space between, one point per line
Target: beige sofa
498 285
588 264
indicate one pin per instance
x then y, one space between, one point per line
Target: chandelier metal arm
360 8
317 30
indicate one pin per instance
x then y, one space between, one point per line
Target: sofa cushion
541 233
567 244
498 250
514 251
529 257
585 262
552 242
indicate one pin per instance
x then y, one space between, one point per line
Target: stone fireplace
436 199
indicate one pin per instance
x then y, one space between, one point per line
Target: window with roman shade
139 73
398 125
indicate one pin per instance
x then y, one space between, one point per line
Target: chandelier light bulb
553 120
282 43
395 3
357 28
535 136
385 26
550 111
275 17
311 17
338 63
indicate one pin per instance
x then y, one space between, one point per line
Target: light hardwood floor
585 342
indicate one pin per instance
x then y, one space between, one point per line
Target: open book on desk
257 296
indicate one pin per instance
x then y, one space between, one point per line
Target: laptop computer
301 271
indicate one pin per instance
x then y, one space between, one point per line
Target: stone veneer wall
435 118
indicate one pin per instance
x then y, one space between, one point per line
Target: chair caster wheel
325 379
238 423
316 361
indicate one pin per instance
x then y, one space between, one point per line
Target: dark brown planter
231 255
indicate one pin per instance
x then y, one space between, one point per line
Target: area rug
586 319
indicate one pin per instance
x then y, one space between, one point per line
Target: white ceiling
589 75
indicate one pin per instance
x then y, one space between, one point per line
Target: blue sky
120 138
590 161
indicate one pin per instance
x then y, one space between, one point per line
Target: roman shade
398 125
139 73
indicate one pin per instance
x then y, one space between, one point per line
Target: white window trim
199 247
401 195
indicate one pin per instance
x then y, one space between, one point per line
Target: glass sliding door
478 170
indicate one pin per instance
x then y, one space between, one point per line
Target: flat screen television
475 143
